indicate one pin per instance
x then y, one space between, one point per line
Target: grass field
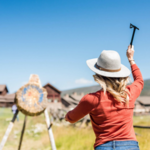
66 137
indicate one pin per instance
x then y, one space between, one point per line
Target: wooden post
49 130
11 124
22 132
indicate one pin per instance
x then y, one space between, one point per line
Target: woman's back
111 120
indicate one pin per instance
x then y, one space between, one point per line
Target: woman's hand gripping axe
132 26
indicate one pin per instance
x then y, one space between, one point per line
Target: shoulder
94 95
91 98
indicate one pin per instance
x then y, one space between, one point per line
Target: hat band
103 69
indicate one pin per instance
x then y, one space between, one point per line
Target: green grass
143 134
66 138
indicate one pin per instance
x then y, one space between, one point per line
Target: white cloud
83 81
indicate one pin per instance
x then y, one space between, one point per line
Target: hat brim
124 72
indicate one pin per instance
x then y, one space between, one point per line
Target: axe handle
132 36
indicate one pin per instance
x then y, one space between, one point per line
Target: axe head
132 26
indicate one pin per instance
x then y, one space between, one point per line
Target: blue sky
55 38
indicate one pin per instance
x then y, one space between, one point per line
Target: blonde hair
115 86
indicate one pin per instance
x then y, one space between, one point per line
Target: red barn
53 94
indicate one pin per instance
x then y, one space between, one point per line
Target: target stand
31 100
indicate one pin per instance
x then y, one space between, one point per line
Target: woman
111 108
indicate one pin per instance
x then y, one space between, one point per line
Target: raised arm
137 86
85 106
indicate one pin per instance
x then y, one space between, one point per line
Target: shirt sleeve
136 87
85 106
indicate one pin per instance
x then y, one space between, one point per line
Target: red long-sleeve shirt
111 120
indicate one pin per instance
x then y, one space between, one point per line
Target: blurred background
54 39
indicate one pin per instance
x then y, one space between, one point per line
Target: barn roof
2 87
76 96
48 84
145 100
7 98
70 100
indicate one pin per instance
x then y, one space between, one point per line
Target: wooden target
31 99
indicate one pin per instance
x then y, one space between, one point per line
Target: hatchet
132 26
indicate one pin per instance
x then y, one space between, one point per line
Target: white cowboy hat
109 65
